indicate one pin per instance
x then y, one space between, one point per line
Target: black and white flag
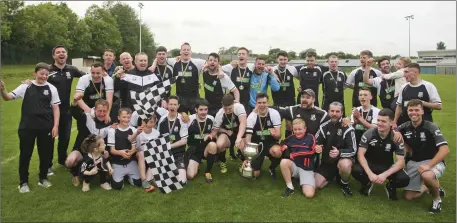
162 164
145 103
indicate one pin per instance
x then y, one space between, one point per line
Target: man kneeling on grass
375 155
301 146
202 144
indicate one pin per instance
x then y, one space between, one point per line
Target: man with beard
355 79
229 126
95 86
86 125
338 148
187 85
375 155
427 148
286 94
61 76
215 86
137 79
260 80
240 75
126 61
172 125
201 144
365 116
306 110
385 88
333 84
264 126
310 76
416 88
108 62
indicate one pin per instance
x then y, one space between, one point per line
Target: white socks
290 186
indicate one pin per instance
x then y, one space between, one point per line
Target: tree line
28 33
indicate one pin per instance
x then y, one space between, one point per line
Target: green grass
228 198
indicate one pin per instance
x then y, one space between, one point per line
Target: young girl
149 133
93 163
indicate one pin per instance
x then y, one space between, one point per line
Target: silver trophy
249 153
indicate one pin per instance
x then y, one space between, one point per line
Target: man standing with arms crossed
61 76
333 84
286 94
355 79
310 76
240 74
427 148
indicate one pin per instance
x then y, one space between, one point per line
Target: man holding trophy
263 130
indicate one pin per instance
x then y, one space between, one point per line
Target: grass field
228 198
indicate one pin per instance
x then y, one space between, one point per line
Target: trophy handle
260 145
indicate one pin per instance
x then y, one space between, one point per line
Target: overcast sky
324 26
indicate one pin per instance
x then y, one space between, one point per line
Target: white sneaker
44 183
50 172
24 188
106 186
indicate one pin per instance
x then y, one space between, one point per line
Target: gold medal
241 87
183 80
336 90
388 96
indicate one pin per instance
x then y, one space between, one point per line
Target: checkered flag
162 164
145 103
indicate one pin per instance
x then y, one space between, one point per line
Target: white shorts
416 182
130 170
306 176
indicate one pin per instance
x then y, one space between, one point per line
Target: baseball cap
309 92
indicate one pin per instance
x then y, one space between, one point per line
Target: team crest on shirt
438 133
313 117
420 95
176 129
328 133
340 132
249 73
298 116
45 92
268 123
209 127
373 142
388 148
68 75
422 136
165 75
288 78
190 67
369 118
315 74
338 79
214 83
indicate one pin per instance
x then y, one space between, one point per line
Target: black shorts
179 159
329 170
257 162
197 152
187 103
232 138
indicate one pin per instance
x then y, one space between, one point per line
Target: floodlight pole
141 7
409 32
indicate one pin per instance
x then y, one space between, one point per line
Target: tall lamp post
141 7
409 31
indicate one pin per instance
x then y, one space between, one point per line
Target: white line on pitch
17 155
